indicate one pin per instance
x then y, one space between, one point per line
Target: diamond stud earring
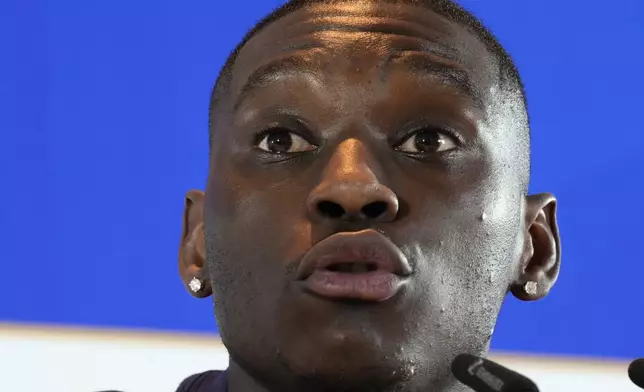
530 288
195 285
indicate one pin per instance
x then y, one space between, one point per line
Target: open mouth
361 265
353 268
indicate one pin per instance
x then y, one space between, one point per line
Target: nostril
331 209
374 210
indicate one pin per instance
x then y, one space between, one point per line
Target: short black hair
509 77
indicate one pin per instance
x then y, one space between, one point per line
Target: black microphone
483 375
636 372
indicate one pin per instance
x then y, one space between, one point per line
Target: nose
350 189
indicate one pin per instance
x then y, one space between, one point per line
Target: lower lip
376 286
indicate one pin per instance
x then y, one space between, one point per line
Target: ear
192 254
541 256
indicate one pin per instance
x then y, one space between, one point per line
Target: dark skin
357 116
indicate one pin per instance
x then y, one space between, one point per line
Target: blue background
104 127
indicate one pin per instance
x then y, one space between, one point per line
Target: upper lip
354 247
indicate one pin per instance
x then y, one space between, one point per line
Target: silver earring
195 285
530 288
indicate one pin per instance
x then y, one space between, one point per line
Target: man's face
373 119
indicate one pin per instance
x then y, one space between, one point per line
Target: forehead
358 34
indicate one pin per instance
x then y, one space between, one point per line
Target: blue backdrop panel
104 126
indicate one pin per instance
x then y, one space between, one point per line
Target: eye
281 141
427 140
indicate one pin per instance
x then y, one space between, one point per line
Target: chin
349 374
355 358
320 365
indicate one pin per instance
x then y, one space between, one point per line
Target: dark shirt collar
221 383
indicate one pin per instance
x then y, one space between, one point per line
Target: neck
240 381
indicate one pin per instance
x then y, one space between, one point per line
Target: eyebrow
421 63
429 65
268 73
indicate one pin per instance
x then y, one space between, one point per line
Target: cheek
260 234
465 252
251 248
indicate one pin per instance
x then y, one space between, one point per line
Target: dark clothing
211 381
